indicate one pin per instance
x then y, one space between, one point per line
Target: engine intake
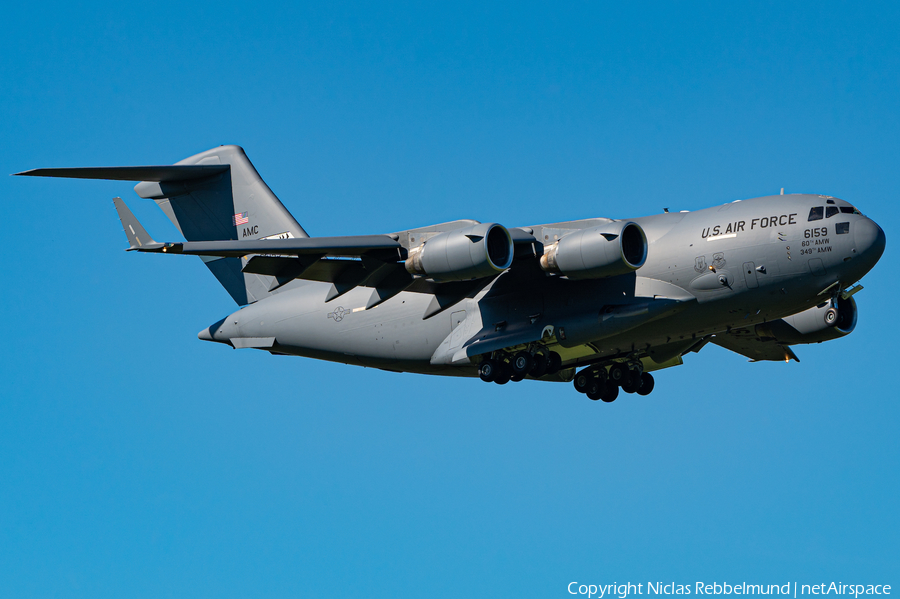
478 251
606 250
814 325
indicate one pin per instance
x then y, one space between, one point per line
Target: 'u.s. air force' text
763 222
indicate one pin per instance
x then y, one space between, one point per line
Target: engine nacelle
814 325
606 250
478 251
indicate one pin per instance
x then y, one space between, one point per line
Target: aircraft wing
758 350
354 245
345 262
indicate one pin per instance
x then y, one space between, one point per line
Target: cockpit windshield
820 212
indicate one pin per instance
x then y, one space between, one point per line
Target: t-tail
216 195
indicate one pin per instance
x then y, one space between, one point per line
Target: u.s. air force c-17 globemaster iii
600 302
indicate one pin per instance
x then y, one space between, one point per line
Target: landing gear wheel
583 380
503 374
632 383
541 362
522 363
609 392
595 391
554 363
619 373
488 370
646 384
831 316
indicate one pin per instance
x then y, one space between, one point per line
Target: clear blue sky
138 461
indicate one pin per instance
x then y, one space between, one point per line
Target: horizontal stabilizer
138 238
132 173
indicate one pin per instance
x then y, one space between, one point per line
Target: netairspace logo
791 589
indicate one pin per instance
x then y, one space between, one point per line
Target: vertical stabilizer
235 204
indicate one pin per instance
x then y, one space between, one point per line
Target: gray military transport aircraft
601 302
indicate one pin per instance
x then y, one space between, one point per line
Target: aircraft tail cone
213 333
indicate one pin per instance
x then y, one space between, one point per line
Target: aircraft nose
870 240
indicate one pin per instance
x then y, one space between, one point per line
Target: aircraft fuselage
707 272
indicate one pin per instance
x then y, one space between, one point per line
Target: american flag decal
240 219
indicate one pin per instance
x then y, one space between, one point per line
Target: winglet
138 238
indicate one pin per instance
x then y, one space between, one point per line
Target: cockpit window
842 228
849 210
831 211
815 213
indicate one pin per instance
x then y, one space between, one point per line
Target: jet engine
478 251
607 250
817 324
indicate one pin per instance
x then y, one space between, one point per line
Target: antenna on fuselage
782 191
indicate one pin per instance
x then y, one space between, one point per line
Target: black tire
583 380
610 392
831 316
554 363
522 364
514 377
647 384
487 371
619 373
595 391
633 383
541 362
503 374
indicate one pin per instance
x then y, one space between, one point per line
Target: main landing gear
597 383
502 367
